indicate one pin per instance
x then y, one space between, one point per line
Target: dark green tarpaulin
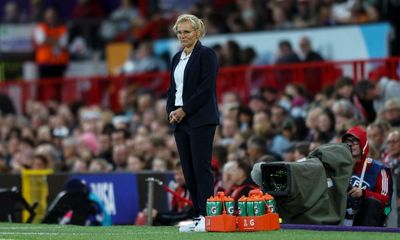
317 187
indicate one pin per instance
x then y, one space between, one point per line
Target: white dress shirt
178 77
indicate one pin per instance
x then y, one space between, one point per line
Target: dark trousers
369 214
195 151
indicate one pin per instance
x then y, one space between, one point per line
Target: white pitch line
79 234
26 233
31 228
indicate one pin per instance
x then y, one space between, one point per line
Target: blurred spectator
299 99
231 54
362 12
341 10
40 162
79 166
278 116
159 165
373 95
270 94
51 153
230 98
89 9
306 14
262 125
249 55
176 6
324 17
135 163
391 112
392 160
105 147
89 141
280 19
344 115
283 139
12 13
69 153
288 153
312 122
235 22
286 55
228 129
236 179
6 105
51 42
119 136
152 27
367 197
376 134
326 126
99 165
344 88
36 10
392 155
366 92
120 20
126 11
308 54
257 103
87 16
249 11
120 157
256 148
143 60
301 150
245 119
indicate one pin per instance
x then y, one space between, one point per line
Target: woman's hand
177 115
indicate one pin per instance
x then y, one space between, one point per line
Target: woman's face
187 35
324 123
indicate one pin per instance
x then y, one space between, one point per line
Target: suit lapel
175 62
191 59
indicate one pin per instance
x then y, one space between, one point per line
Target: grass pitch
57 232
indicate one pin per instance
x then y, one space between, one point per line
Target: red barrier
243 80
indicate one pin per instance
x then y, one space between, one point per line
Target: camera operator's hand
356 192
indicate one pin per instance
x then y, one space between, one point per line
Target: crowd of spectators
132 21
271 126
93 23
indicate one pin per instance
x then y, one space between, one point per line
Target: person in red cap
370 185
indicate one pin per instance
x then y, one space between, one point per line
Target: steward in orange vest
51 50
51 41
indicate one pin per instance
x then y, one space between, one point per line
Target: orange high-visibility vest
45 53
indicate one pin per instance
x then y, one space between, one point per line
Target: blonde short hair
197 23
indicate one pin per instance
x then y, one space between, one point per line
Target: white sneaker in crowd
201 225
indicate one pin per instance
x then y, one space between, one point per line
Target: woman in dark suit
193 112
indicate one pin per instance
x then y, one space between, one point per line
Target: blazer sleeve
205 90
171 90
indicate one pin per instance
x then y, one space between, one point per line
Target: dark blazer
199 87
